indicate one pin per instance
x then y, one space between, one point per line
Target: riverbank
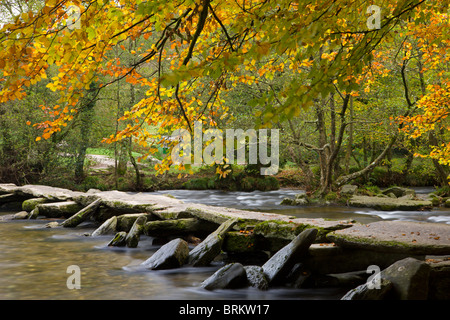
100 174
242 235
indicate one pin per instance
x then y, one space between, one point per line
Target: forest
359 94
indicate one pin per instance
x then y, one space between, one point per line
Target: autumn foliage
189 53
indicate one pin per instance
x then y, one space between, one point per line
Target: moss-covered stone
178 227
29 204
211 247
238 242
389 204
126 221
59 209
396 236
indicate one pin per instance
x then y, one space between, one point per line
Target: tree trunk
309 175
86 114
347 178
130 142
440 170
350 139
331 153
324 148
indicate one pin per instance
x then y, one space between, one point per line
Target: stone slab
40 191
169 208
389 204
398 236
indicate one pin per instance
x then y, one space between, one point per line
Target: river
34 260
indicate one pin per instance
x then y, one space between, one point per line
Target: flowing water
34 260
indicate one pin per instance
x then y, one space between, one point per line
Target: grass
107 152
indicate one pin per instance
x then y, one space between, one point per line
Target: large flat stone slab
40 191
396 236
221 214
389 204
130 201
165 207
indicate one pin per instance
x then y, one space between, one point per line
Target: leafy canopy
192 52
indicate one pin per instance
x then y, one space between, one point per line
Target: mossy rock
59 209
126 221
274 234
240 241
29 204
389 204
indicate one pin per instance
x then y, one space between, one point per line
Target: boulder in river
118 240
29 204
399 191
173 254
20 215
366 292
133 236
348 190
82 215
178 227
59 209
208 249
278 267
107 227
125 221
405 279
300 199
256 277
409 277
231 276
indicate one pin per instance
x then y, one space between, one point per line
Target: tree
194 50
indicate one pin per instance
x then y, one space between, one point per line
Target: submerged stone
20 215
366 292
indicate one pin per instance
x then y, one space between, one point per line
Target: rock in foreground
231 276
277 267
396 236
406 279
171 255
